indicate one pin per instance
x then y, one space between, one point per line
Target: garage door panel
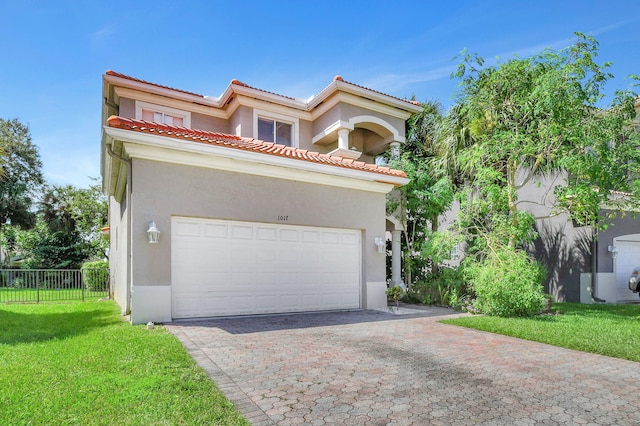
233 268
216 231
628 258
311 237
241 232
330 238
186 228
289 235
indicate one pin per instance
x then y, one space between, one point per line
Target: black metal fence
50 285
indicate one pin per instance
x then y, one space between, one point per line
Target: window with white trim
275 128
161 114
270 130
162 117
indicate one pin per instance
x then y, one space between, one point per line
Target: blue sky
55 52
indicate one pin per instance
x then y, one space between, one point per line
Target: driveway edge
251 412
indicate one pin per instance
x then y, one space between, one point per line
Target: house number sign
283 218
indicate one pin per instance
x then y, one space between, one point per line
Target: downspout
594 265
112 154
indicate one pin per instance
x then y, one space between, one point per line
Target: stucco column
394 150
396 258
343 139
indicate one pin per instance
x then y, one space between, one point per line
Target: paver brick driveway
375 368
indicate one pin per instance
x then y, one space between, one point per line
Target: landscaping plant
95 275
507 283
395 293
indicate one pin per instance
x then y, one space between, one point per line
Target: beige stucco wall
209 123
305 135
241 122
332 115
118 259
127 108
162 190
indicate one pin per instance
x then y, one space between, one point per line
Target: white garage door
627 259
221 267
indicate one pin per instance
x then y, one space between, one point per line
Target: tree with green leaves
541 116
428 194
530 118
20 174
67 231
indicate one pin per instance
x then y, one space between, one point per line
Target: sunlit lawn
612 330
81 364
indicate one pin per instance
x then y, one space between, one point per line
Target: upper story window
270 130
161 114
162 117
276 128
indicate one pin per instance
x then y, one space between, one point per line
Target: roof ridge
409 101
246 144
243 84
236 82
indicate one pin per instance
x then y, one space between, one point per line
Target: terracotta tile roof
247 144
117 74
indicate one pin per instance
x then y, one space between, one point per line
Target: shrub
95 275
395 293
443 288
507 283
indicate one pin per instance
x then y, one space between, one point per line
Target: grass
611 330
81 364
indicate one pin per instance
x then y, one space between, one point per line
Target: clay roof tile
246 144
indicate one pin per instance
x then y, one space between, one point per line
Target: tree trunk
434 228
511 192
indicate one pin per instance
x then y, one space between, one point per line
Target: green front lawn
81 364
612 330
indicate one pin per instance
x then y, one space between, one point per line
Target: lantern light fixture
153 233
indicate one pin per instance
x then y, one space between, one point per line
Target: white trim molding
360 119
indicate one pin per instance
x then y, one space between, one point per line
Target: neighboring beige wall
162 190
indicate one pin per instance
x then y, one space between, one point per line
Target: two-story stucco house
250 202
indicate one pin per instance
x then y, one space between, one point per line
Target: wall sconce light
381 244
613 250
153 233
